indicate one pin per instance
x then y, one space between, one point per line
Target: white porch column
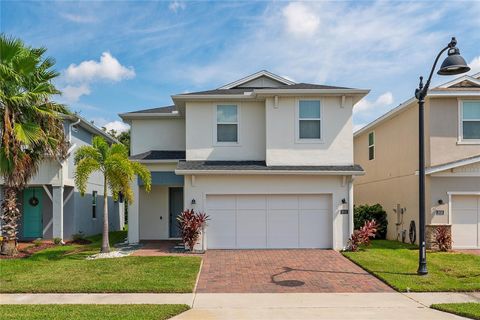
133 208
57 208
350 206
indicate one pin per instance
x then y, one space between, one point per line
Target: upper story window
227 123
470 120
309 120
371 145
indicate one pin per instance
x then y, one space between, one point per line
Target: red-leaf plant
191 224
362 236
443 238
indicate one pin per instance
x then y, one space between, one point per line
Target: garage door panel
465 202
251 202
282 201
314 202
221 202
282 230
221 229
251 229
466 221
315 229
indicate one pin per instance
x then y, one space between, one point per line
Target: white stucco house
269 160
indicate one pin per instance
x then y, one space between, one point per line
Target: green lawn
469 310
64 269
89 312
396 264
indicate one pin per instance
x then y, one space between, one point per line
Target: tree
118 172
31 127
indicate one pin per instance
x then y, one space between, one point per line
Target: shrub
443 238
191 224
78 237
362 236
57 241
367 213
37 243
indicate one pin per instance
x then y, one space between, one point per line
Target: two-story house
387 149
269 160
52 207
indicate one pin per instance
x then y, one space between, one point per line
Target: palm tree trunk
10 215
105 241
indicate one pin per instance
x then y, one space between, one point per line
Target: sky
120 56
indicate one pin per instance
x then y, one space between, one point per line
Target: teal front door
32 213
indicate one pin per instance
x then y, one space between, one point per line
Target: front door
32 213
175 207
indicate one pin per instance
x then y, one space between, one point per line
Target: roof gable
464 81
259 80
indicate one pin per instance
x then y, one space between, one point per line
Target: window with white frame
371 145
309 120
227 123
470 120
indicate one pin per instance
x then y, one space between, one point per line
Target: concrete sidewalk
97 298
207 306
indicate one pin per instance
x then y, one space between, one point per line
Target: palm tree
31 127
118 172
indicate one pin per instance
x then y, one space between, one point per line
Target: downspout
70 129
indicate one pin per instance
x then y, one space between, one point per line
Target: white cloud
300 20
474 65
116 125
358 44
366 106
176 5
108 68
72 93
78 18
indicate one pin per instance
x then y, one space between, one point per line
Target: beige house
387 149
269 160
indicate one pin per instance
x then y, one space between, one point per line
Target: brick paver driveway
243 271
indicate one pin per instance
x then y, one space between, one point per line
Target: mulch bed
28 251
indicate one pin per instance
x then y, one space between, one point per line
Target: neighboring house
52 206
387 149
269 160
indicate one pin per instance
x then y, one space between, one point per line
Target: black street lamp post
454 64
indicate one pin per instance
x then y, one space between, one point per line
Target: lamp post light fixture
454 64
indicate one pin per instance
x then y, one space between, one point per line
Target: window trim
370 146
216 123
460 139
297 121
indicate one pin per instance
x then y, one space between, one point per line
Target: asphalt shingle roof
258 165
159 155
165 109
241 90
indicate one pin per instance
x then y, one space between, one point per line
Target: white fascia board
453 93
269 172
386 116
91 127
336 92
212 97
452 165
263 73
